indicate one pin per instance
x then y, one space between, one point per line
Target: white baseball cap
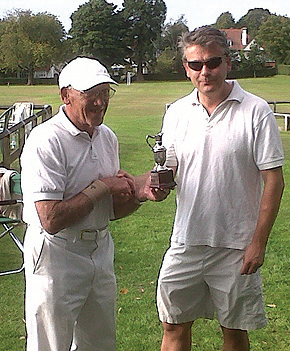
83 73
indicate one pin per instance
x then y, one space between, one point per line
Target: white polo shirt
59 161
219 159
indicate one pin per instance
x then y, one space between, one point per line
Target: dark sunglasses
212 63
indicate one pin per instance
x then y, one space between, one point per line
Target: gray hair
204 36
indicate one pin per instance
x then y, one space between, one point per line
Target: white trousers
70 293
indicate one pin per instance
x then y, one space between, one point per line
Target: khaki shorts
201 281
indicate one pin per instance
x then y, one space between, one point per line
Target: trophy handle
157 138
147 140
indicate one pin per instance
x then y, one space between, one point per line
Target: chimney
244 36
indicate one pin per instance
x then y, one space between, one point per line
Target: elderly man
223 142
72 187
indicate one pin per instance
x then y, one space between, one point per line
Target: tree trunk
30 76
140 77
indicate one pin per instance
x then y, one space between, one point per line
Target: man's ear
186 69
64 93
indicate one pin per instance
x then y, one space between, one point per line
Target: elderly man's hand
122 184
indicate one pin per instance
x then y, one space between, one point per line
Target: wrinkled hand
253 258
121 185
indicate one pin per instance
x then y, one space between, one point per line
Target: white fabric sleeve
168 138
46 169
268 150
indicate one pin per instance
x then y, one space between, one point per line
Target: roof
235 35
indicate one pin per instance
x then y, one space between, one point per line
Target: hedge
265 72
23 81
250 73
164 76
284 69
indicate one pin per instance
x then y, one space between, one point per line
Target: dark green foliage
99 30
253 20
146 18
29 41
225 21
274 36
169 58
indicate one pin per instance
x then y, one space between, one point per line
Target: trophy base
162 179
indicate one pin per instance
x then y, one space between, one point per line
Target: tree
99 30
225 21
166 61
169 59
253 20
274 37
29 41
146 18
253 59
171 32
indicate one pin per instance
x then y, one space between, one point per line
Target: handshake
136 187
128 192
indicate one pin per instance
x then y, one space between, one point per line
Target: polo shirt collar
236 94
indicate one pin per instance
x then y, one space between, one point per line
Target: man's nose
100 100
205 69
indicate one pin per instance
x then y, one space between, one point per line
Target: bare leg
177 337
235 340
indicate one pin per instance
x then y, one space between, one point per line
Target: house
46 72
240 42
238 38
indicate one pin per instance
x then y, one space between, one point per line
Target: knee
235 339
177 330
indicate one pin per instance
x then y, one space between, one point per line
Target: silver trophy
161 176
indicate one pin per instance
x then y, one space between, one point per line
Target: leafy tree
225 21
169 59
171 32
254 59
146 18
29 41
253 20
99 30
166 61
274 37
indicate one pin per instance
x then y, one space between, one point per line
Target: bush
23 81
164 76
13 81
234 74
284 70
250 73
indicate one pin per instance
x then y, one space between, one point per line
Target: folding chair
20 111
9 223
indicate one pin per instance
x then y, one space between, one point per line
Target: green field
142 238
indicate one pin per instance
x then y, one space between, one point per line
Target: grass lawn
142 238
